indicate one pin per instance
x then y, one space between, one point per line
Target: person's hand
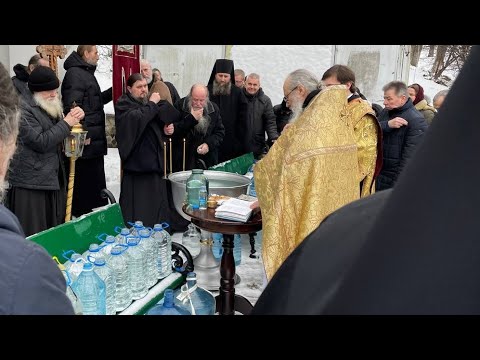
155 97
197 113
77 112
286 127
203 149
397 122
72 119
168 129
254 205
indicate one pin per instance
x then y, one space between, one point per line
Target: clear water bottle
167 306
94 251
119 264
136 268
107 275
163 243
107 246
194 184
90 289
194 299
237 249
218 248
191 240
136 227
147 244
121 238
74 265
76 303
203 196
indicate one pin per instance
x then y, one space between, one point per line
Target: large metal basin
220 183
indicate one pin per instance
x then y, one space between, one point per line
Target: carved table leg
252 245
227 281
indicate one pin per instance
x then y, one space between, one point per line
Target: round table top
206 220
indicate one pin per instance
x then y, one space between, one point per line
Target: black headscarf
416 249
223 66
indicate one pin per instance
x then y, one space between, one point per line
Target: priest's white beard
296 112
221 89
202 125
52 106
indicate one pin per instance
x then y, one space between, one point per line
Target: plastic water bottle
163 243
122 237
237 249
194 299
195 182
74 265
107 246
191 240
203 196
217 247
94 251
136 227
136 268
107 275
76 303
119 264
90 289
147 244
167 306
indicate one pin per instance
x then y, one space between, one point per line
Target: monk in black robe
413 249
140 122
233 108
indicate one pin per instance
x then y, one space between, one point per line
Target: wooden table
227 302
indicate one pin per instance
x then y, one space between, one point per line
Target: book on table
235 209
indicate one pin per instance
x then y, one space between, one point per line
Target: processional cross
51 52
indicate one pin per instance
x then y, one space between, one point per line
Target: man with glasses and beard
141 122
37 175
311 171
31 283
202 128
233 108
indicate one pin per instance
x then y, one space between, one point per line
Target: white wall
274 62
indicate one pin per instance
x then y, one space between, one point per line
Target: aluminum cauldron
220 183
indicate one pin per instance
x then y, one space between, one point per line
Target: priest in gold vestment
310 171
361 118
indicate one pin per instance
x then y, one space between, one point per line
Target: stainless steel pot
220 183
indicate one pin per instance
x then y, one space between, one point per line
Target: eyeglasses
285 98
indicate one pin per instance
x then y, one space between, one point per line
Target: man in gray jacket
31 283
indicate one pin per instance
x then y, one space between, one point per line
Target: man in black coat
361 260
30 281
141 122
260 118
23 72
80 87
403 128
202 128
233 108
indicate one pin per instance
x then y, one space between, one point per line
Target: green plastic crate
238 165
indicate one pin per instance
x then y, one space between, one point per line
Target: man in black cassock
233 108
140 122
412 249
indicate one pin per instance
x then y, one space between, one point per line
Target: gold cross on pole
51 52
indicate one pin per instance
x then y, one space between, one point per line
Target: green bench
79 233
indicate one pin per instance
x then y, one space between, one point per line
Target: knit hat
43 78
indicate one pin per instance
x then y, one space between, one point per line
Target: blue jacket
30 281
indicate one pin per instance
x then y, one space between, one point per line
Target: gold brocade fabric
361 118
310 171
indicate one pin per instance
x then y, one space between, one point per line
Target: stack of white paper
234 209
